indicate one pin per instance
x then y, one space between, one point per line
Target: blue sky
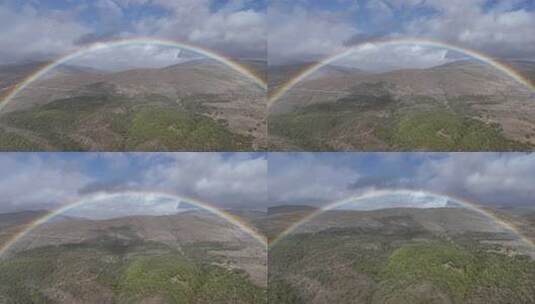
306 30
259 180
93 13
300 30
44 29
497 179
46 180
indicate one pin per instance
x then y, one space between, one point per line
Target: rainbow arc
382 193
100 197
131 42
500 66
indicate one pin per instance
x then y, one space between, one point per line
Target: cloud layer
257 181
45 181
41 30
486 178
284 31
308 30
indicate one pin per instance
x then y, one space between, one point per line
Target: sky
46 29
284 31
256 181
488 179
38 181
308 30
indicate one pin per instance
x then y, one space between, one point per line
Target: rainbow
130 42
500 66
234 220
379 193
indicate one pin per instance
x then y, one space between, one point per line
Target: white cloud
107 206
381 57
485 178
307 179
232 28
39 181
244 28
301 34
304 31
33 33
131 56
400 199
231 181
36 182
499 31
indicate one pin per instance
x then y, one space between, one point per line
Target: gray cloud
388 57
500 31
38 34
299 33
487 178
500 179
304 30
308 179
133 56
233 29
39 181
235 181
360 38
91 38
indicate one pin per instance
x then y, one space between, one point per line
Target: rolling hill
401 255
195 106
191 257
460 106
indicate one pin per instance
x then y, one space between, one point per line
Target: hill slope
441 255
461 106
193 257
200 106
